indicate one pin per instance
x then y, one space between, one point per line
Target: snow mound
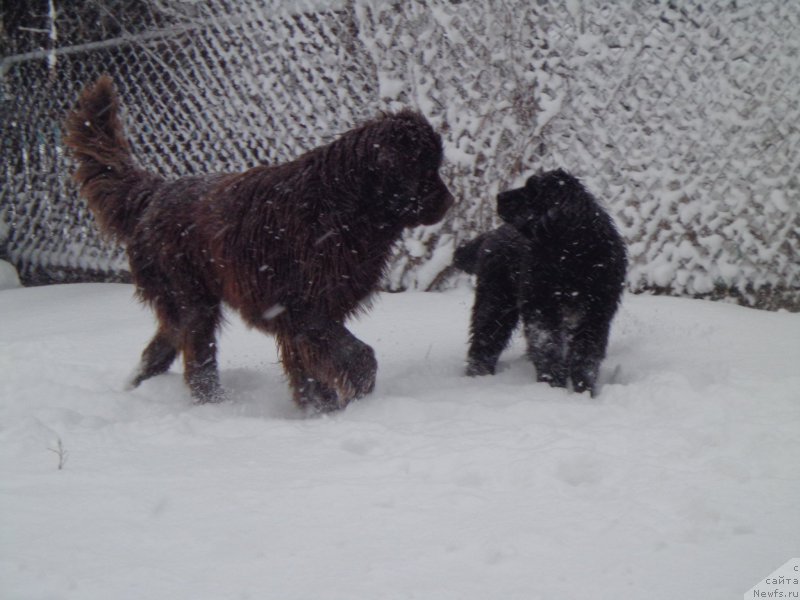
8 276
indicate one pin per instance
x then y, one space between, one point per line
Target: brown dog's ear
393 148
387 158
407 137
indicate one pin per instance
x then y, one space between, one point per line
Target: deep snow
680 480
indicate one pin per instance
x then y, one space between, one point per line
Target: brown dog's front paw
357 364
363 371
316 396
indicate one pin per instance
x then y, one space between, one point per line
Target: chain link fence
681 116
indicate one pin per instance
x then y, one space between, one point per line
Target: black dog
559 264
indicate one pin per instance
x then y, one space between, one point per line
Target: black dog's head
408 157
524 206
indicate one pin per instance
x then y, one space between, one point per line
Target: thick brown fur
295 248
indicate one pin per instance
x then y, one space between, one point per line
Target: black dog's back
559 264
579 254
501 246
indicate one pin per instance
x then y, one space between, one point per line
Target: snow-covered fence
682 116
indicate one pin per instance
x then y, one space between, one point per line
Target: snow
679 481
8 276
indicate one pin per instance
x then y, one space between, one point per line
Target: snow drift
679 481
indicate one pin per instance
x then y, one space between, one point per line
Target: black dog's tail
114 188
466 255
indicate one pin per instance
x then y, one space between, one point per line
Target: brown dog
296 248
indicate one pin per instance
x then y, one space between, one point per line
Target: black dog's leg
586 352
546 349
494 317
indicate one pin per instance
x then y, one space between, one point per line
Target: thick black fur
558 264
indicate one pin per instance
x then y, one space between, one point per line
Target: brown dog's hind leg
162 350
157 357
199 345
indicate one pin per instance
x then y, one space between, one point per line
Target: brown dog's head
407 160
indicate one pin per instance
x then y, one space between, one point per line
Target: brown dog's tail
116 190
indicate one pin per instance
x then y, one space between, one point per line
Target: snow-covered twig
61 452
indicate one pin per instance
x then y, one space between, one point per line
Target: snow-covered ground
681 480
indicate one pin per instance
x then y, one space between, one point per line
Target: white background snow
680 480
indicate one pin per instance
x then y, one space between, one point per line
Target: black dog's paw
584 380
583 386
555 379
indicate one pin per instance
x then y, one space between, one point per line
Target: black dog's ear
533 191
533 180
550 189
512 206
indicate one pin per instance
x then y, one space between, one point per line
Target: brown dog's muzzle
436 205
